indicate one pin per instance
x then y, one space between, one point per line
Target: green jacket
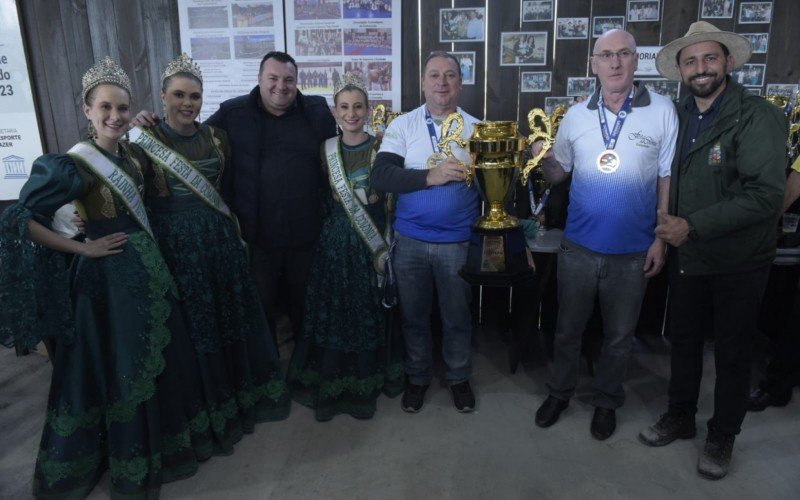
730 187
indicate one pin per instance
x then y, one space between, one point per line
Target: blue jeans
620 283
418 265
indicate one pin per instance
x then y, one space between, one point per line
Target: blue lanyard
432 131
610 138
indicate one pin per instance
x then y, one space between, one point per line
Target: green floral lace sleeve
34 281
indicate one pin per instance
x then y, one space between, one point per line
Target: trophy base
497 257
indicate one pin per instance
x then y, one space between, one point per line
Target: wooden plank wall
64 37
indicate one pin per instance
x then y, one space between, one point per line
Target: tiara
182 64
352 80
105 71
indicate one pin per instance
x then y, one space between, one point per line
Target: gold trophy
497 254
452 127
381 119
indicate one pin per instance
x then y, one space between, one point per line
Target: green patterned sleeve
34 283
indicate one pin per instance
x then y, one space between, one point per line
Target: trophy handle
468 175
452 134
378 118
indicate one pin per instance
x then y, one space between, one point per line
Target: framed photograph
579 86
252 14
538 10
788 90
755 12
570 28
754 91
550 103
317 10
365 42
536 81
522 48
716 9
461 25
643 11
466 60
318 42
759 41
751 75
667 88
601 24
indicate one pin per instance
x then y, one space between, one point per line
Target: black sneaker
413 397
670 426
716 457
463 398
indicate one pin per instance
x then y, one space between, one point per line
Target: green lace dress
228 328
349 352
126 391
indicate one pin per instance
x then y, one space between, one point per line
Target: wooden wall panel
64 37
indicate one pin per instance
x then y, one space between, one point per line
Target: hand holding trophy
543 128
452 127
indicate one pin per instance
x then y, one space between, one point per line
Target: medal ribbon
432 131
610 138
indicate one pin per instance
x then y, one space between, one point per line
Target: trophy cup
498 251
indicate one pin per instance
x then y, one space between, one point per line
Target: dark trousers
282 277
778 322
728 304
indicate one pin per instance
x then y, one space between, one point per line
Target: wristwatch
693 236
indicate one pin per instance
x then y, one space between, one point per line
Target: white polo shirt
615 213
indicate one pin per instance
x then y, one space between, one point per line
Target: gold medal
435 159
608 161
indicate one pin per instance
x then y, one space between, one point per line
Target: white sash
181 168
359 217
115 178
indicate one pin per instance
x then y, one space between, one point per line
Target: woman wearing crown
126 390
346 356
198 236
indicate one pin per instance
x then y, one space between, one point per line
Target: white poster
329 38
647 61
228 38
20 141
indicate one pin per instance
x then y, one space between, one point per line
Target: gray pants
620 283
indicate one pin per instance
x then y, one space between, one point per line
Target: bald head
614 61
614 37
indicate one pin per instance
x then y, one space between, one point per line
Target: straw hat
702 31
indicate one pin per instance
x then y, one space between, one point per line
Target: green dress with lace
218 295
126 392
350 351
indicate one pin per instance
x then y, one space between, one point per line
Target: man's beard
716 82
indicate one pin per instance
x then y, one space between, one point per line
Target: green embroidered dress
349 353
126 391
245 383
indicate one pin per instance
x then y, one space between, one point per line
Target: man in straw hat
725 197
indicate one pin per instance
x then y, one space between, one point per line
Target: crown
182 64
105 71
352 80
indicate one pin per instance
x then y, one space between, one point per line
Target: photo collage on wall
528 48
329 38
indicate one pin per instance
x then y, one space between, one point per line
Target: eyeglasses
622 55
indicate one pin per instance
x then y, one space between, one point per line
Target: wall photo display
461 25
536 81
667 88
601 24
755 12
579 86
759 41
572 28
750 75
537 10
521 48
644 11
716 9
466 61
